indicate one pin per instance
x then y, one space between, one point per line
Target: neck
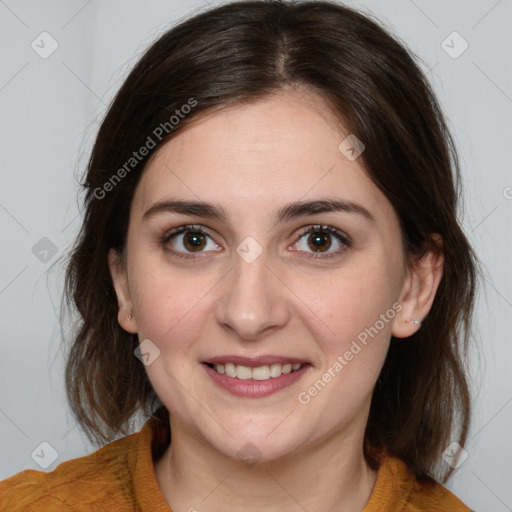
331 475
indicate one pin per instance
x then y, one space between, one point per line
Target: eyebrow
285 213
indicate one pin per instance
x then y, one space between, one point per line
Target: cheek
351 322
346 301
168 303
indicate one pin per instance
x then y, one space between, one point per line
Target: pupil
319 241
194 241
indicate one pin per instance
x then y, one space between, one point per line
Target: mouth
255 381
260 373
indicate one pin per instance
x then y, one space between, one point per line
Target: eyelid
196 228
327 228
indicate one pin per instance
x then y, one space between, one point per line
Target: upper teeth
264 372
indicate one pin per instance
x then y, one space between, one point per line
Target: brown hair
241 52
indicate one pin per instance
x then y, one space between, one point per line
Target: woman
271 267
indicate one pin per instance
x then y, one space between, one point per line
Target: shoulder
398 489
434 497
86 483
423 496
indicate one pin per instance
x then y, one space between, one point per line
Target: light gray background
49 115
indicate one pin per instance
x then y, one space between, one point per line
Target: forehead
259 155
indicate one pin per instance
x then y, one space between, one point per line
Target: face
323 282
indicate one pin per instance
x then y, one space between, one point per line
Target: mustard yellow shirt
120 477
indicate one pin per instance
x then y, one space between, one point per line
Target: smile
264 372
255 382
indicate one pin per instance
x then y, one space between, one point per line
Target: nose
253 301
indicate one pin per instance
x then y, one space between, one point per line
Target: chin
253 449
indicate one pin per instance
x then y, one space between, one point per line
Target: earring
414 321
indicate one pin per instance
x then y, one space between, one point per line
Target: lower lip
251 388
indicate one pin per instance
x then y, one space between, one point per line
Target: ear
419 288
125 315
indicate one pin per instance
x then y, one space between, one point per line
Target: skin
251 160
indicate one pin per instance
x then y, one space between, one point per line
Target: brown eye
319 242
194 241
189 240
322 241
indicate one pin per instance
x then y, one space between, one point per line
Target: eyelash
319 228
329 230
